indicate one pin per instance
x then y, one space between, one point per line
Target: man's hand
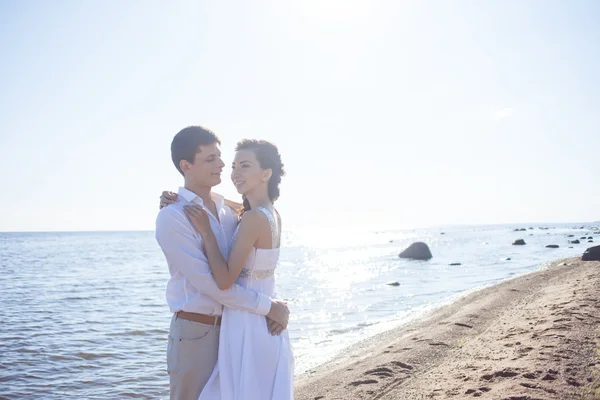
279 313
235 206
274 327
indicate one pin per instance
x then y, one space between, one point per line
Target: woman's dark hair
268 157
187 143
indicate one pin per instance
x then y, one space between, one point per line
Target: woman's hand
168 198
199 218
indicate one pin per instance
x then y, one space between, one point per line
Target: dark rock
442 233
519 230
417 251
507 259
590 237
552 246
583 237
455 264
393 283
576 241
571 236
591 254
530 228
590 241
519 242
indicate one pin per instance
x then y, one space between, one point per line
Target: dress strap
272 224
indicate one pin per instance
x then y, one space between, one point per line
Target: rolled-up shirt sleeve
183 252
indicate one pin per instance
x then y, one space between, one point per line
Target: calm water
84 315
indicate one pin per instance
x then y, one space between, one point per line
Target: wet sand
533 337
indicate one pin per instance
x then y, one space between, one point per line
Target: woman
252 363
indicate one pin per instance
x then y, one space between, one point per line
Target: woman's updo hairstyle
268 157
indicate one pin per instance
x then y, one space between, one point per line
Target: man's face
207 167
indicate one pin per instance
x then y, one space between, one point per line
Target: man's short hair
187 143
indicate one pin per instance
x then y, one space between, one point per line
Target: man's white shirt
191 287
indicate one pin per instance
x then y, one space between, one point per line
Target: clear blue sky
395 113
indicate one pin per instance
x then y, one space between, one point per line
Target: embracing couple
228 337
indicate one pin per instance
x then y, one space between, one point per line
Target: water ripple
84 315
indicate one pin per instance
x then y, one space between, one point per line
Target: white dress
253 364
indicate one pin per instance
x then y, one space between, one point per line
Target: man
192 294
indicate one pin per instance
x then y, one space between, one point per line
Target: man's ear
184 165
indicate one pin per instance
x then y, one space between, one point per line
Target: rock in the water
507 259
393 283
553 246
583 237
454 264
417 251
571 236
576 241
590 241
519 242
591 254
590 237
519 230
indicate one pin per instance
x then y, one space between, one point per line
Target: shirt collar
192 197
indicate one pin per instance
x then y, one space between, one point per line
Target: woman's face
246 173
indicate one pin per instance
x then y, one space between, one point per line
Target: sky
395 114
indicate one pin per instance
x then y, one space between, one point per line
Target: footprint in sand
530 375
463 325
402 365
500 374
382 372
364 382
525 349
573 382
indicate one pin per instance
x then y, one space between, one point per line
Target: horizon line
590 224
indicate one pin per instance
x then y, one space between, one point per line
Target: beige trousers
191 357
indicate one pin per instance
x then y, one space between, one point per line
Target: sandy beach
530 338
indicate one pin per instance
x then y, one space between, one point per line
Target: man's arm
181 248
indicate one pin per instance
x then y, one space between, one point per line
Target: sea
83 314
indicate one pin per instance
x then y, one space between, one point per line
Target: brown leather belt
200 318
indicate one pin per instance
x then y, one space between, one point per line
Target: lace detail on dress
256 274
273 225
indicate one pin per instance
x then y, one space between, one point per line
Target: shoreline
498 342
423 315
